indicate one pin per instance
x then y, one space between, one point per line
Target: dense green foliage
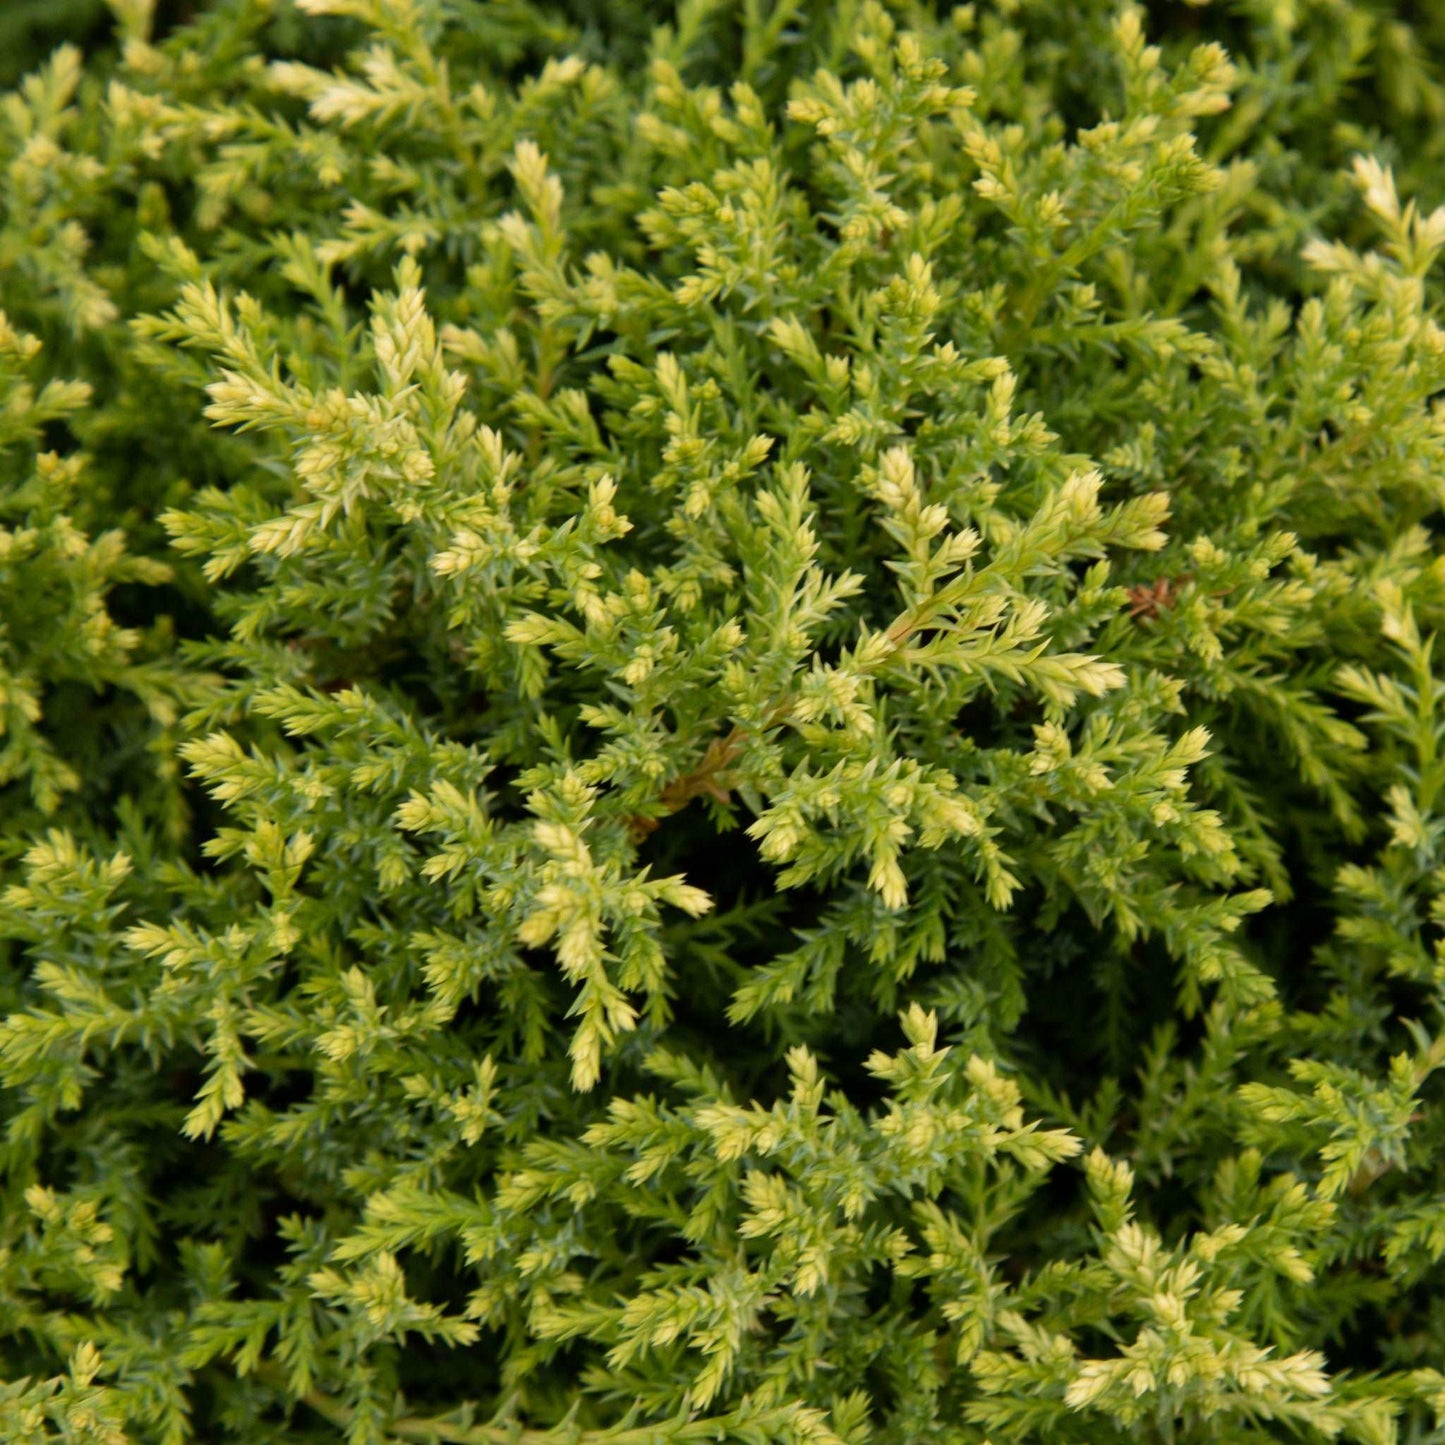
721 723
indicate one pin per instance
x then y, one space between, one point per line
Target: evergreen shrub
721 722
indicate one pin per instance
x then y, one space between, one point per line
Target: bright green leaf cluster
721 722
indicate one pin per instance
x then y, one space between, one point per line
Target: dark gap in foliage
1374 1339
281 1090
1092 1008
358 295
506 801
980 723
173 15
727 864
57 437
844 1042
208 817
437 1375
210 1197
31 29
1174 16
477 1014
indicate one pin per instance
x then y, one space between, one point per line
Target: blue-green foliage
721 724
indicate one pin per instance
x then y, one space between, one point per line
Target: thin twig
709 778
443 1432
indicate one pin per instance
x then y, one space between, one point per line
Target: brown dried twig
709 779
1150 601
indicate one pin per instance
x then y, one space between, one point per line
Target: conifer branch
438 1431
986 485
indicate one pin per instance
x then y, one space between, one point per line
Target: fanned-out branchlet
722 723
